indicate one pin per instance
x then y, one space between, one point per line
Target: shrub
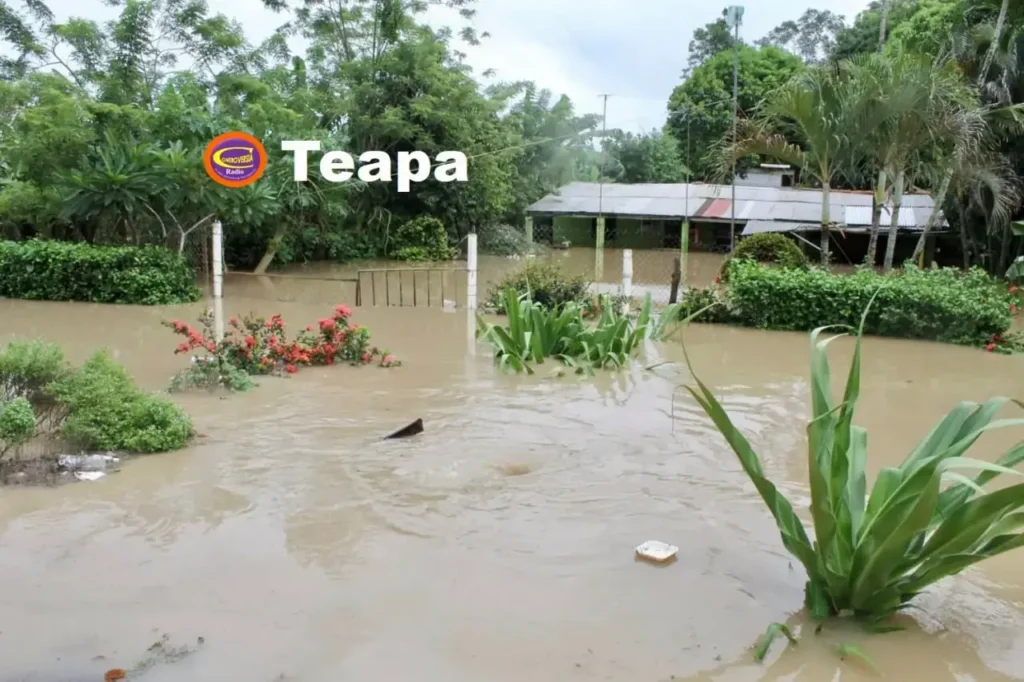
421 239
545 284
317 244
939 304
873 553
106 411
26 369
503 240
253 345
705 305
68 271
17 424
766 247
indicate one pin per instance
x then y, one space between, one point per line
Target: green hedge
940 304
71 271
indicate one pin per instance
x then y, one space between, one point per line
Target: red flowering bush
254 345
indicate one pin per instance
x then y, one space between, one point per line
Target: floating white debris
94 462
448 304
89 475
657 551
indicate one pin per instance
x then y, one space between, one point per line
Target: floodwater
421 284
497 545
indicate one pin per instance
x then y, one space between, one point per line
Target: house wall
635 233
577 231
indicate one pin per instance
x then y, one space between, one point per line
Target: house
653 216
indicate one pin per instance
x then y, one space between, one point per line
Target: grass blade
771 633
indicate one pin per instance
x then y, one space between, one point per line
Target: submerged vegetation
257 346
535 332
93 407
62 271
939 304
546 284
875 550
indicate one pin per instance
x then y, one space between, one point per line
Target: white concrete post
471 271
627 277
218 280
218 259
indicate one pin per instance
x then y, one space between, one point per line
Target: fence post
627 277
529 229
471 271
218 279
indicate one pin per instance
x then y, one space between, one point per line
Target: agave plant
923 521
535 333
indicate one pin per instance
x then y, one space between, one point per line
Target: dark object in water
410 430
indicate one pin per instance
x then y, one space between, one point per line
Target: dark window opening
787 180
672 236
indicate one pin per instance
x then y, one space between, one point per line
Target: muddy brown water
497 545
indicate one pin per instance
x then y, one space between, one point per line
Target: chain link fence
197 248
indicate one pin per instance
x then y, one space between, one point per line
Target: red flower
388 359
1013 288
291 369
211 346
342 311
250 341
718 280
233 321
1013 308
327 325
990 347
182 348
309 328
179 326
366 358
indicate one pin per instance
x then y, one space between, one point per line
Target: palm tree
815 107
978 173
929 111
993 47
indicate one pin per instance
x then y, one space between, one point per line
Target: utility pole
600 174
599 232
734 17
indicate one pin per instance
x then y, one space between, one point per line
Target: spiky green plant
535 332
872 554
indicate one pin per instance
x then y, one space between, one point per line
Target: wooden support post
676 279
529 229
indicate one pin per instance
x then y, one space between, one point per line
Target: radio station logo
235 159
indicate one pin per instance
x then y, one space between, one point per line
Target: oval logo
235 159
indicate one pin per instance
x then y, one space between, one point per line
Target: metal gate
409 286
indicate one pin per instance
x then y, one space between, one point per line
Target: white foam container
654 550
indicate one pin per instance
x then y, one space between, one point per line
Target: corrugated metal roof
714 202
760 226
861 215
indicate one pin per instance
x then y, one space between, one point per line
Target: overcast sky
634 50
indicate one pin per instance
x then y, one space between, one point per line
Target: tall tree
708 41
700 108
651 157
812 36
816 108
